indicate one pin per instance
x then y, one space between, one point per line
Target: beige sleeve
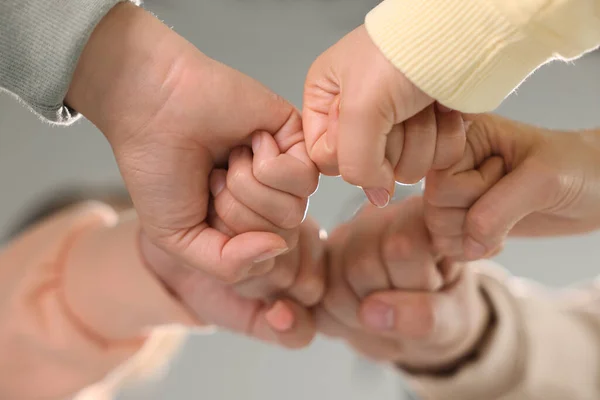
470 54
541 346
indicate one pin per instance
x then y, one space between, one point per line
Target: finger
518 194
329 326
270 284
320 106
361 148
449 246
371 346
411 264
376 348
363 267
419 147
339 301
239 218
309 286
407 249
395 144
451 139
231 259
258 268
282 210
291 171
444 221
285 323
461 190
263 109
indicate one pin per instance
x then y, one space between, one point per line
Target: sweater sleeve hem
466 54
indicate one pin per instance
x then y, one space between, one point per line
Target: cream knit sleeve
470 54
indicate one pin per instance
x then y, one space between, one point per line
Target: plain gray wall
275 42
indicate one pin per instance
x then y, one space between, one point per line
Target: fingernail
270 254
379 316
279 317
473 249
256 139
217 183
379 197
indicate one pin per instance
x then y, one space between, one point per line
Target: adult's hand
171 114
514 179
364 120
272 307
392 299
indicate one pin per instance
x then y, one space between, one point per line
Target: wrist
124 70
112 296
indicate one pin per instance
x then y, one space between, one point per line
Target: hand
273 303
365 120
171 115
513 179
392 299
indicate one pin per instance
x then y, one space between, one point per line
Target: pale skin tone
172 115
364 120
392 298
144 87
514 179
141 85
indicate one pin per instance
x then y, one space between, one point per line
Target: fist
364 120
392 299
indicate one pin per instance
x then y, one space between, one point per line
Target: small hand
260 191
365 120
172 115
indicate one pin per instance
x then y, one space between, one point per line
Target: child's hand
392 298
365 120
513 179
262 191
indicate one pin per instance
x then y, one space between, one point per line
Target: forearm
40 44
537 348
77 302
470 55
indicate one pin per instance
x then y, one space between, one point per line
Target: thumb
361 140
491 218
412 316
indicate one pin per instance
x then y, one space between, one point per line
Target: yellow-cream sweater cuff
470 54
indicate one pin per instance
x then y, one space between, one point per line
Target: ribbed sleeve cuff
40 44
464 53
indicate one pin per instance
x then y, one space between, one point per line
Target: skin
273 302
393 299
364 120
514 179
172 115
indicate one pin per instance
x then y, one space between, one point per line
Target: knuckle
436 189
294 215
425 315
400 248
355 174
311 290
360 269
481 224
283 275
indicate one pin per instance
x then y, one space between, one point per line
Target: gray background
275 41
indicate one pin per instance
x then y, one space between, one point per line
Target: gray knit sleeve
40 44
